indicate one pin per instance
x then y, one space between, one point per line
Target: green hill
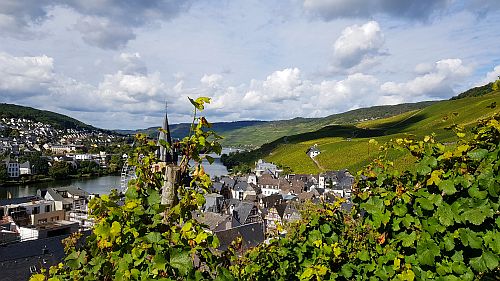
257 135
58 121
181 130
347 146
475 92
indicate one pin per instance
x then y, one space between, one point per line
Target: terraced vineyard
349 147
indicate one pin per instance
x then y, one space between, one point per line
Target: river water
98 185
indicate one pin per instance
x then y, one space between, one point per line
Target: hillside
475 92
347 146
257 135
58 121
181 130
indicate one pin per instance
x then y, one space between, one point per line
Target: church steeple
164 154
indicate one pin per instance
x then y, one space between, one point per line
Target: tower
165 154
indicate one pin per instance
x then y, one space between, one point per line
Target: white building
13 169
83 157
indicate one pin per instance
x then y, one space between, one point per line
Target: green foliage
61 170
348 146
441 221
477 91
55 119
142 238
4 176
438 221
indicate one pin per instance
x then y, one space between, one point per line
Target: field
348 146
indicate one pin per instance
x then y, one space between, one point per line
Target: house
269 184
49 229
12 168
213 221
213 203
25 168
72 200
341 179
30 210
279 214
262 167
68 198
251 235
242 212
313 151
243 189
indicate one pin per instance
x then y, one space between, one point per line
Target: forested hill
181 130
58 121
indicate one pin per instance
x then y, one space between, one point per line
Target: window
36 210
47 208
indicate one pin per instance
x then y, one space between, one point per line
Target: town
32 151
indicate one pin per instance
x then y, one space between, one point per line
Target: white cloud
131 63
358 45
490 76
436 83
22 77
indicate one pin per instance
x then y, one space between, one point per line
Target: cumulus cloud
437 82
490 76
131 63
283 94
413 9
358 45
22 77
104 24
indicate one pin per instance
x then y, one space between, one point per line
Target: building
25 168
13 169
30 210
72 201
262 167
313 151
83 157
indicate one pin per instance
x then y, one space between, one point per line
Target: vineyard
439 220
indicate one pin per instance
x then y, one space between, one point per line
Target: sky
113 64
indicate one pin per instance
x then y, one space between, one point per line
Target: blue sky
113 63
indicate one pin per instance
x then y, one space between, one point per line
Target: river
97 185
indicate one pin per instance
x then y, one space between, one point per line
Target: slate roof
252 235
313 149
217 186
272 200
241 186
242 211
229 182
212 220
20 200
18 260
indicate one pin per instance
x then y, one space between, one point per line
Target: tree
60 170
4 175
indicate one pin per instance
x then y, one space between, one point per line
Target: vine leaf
181 260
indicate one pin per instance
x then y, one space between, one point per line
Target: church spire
164 154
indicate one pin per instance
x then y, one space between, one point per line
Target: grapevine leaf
153 237
448 187
477 154
181 260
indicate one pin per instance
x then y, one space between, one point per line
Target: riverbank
42 179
